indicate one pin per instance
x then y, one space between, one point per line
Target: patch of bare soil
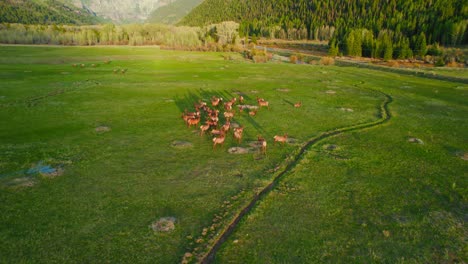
330 147
254 91
292 141
181 144
284 90
56 173
22 182
415 140
346 109
240 150
235 125
330 92
463 156
250 107
102 129
164 224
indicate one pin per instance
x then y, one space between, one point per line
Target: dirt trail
385 116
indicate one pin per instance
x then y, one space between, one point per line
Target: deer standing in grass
218 140
215 101
204 128
298 104
262 102
226 126
263 144
193 121
228 115
281 138
238 134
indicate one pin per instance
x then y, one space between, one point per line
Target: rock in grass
239 150
22 182
181 144
415 140
102 129
164 224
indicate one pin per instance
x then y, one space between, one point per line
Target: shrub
327 61
439 62
293 59
260 58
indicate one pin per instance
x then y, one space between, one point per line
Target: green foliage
443 21
44 12
173 12
222 34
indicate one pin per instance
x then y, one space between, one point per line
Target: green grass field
363 196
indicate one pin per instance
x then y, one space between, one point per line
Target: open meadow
97 165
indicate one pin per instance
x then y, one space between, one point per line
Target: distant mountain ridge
122 11
173 12
44 12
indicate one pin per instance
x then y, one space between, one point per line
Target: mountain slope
122 11
443 21
44 12
173 12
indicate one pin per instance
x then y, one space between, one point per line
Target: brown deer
281 138
193 121
228 115
241 99
262 102
238 134
215 101
204 128
199 105
264 146
253 113
226 126
218 140
298 104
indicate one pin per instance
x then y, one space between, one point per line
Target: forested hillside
173 12
44 12
402 23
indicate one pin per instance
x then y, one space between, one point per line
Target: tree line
371 28
217 37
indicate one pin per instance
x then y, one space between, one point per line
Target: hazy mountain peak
122 10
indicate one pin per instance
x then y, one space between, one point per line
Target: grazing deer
241 99
204 128
228 106
298 104
263 103
199 105
228 115
212 123
193 121
218 140
238 134
253 113
215 101
226 126
123 71
281 138
264 146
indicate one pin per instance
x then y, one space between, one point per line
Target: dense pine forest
44 12
384 28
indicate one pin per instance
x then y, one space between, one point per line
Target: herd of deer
212 120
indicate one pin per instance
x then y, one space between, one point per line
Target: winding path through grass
385 116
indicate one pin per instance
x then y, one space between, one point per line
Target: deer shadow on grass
288 102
